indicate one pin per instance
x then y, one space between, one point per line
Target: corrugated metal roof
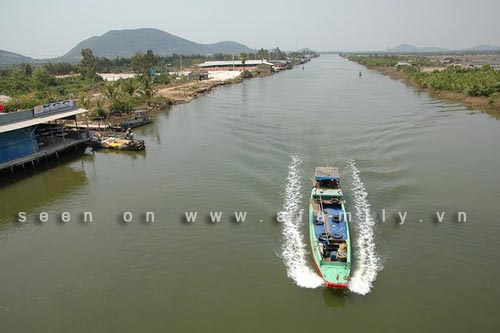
39 120
326 172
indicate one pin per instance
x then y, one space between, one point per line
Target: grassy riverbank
475 87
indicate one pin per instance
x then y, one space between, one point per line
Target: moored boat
115 141
122 144
140 118
329 228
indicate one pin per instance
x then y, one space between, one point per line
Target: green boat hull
334 270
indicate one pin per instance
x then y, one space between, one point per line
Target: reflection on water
6 177
131 154
40 189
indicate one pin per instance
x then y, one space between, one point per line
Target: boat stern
335 275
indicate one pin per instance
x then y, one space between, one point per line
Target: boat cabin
327 177
140 118
327 183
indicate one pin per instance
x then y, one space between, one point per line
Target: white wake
367 260
294 253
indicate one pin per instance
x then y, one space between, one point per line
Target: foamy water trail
294 252
366 258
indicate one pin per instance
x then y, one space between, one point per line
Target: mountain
11 58
483 47
125 43
407 48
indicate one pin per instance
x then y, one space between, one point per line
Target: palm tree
262 54
129 86
84 101
112 93
147 91
99 104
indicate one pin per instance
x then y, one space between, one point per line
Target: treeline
176 61
390 60
27 90
483 81
162 63
30 85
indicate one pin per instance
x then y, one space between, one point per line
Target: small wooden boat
114 140
329 228
140 118
122 144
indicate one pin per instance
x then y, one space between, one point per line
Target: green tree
84 101
147 91
277 54
112 93
243 57
138 63
119 107
149 60
129 86
88 65
99 104
26 69
118 104
263 54
42 78
142 63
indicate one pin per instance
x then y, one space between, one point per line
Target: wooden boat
122 144
114 140
140 118
329 228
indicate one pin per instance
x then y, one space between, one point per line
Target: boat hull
329 284
123 144
336 274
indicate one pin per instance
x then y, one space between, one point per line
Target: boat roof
325 173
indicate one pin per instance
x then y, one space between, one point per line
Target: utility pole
181 61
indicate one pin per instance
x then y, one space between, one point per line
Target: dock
28 136
94 126
43 153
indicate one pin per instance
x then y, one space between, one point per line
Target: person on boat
129 135
320 219
342 252
321 248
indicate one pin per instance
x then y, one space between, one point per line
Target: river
252 147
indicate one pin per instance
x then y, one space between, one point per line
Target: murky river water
251 148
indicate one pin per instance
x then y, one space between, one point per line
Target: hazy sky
49 28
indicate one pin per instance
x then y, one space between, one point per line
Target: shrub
119 107
163 78
23 103
246 74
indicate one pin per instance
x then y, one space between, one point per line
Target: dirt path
186 92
